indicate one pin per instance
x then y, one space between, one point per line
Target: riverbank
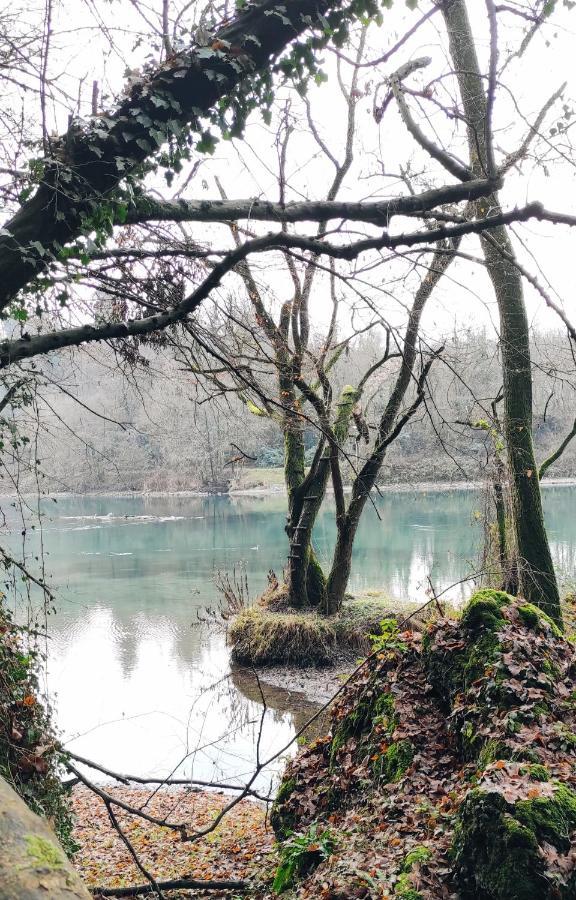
239 848
274 488
315 686
270 490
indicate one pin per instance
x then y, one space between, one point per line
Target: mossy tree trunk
536 570
305 578
307 585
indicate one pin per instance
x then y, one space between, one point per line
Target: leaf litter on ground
239 848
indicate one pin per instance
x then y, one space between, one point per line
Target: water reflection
142 684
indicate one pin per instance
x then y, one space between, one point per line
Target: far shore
279 490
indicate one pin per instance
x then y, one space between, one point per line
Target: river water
139 675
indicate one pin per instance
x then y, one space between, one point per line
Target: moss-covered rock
533 617
504 654
502 849
484 609
281 818
458 653
459 743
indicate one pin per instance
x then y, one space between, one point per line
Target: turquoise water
138 674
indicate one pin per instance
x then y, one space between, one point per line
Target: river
138 672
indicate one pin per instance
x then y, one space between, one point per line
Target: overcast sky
95 40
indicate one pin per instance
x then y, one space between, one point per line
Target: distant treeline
162 432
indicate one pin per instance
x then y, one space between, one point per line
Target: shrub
30 759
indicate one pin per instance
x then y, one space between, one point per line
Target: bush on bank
30 760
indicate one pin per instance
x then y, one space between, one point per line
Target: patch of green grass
260 478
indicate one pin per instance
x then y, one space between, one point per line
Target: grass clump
271 633
259 637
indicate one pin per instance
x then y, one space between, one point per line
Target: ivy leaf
207 143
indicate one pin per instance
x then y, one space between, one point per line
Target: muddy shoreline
309 686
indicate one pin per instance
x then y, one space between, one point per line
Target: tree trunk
33 865
536 570
306 581
366 478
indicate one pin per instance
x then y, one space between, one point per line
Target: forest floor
239 848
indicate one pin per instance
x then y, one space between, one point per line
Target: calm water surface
140 679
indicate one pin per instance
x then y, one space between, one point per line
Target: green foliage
301 854
388 639
404 887
30 759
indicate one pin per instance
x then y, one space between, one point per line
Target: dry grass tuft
259 637
270 634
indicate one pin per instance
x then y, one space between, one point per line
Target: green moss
391 765
404 887
495 856
490 752
552 819
43 853
282 819
285 789
453 672
373 711
498 845
533 617
536 771
565 736
417 855
315 579
484 609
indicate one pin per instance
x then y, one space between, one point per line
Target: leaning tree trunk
536 569
85 168
388 430
33 865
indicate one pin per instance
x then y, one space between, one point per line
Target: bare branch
27 347
380 212
558 452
